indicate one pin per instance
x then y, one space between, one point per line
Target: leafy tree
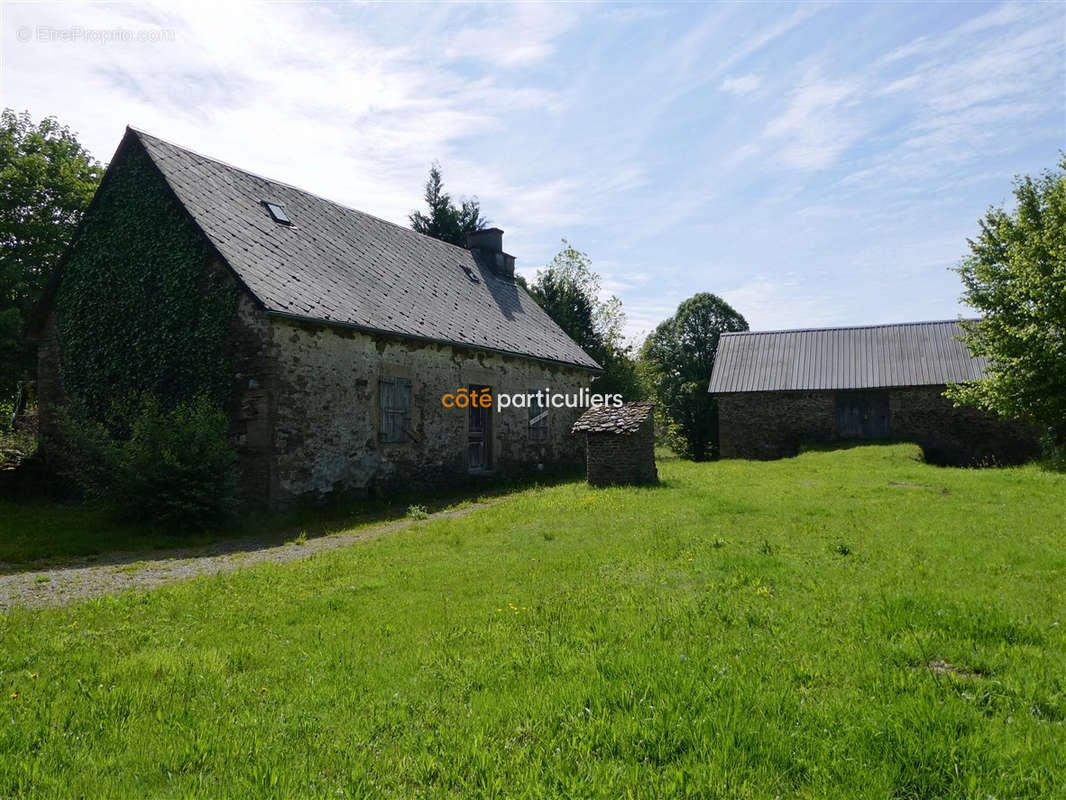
447 221
46 181
678 358
569 290
1015 276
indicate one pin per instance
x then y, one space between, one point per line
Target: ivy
139 310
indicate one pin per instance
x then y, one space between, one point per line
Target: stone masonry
619 444
767 425
325 412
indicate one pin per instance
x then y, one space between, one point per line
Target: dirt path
67 584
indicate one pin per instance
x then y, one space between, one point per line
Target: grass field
844 624
37 531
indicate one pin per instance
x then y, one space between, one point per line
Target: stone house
619 444
330 336
777 390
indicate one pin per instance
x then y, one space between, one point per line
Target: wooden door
862 415
479 435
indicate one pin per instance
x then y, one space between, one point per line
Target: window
277 213
470 273
538 417
395 402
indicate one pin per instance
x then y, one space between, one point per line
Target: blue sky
814 164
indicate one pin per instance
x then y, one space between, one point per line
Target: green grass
37 531
840 625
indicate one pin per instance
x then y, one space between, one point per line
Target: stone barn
331 337
619 444
778 390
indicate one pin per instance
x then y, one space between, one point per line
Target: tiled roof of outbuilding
340 266
613 419
868 357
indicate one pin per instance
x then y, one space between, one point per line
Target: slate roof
873 356
613 419
340 266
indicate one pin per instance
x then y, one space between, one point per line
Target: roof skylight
277 212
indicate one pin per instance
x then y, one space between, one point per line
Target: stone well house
777 390
619 444
342 335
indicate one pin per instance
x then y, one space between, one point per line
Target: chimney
487 245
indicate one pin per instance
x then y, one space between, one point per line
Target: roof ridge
287 185
854 327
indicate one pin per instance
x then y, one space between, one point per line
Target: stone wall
774 425
964 435
250 401
621 458
765 425
326 415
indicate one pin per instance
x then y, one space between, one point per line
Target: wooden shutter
395 402
402 394
538 428
385 386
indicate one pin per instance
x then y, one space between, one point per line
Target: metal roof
867 357
336 265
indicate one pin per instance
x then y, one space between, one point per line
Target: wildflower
263 689
34 675
14 695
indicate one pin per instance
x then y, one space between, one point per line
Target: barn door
479 435
862 415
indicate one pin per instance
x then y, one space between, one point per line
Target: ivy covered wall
140 307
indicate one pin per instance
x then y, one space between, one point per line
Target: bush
172 467
1053 446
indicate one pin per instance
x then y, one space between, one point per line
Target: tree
569 291
678 358
46 182
1015 276
445 220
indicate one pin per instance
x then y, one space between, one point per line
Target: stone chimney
487 245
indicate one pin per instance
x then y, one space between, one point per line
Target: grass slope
843 624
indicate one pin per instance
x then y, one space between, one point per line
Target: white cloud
741 84
307 94
818 124
584 122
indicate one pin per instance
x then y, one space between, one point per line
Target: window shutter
538 418
386 402
403 407
395 402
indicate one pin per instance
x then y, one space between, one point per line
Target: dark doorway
479 434
862 415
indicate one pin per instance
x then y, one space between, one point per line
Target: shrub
1053 445
173 467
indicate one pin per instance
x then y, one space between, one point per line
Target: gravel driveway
78 581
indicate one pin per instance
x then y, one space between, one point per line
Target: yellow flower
33 675
14 695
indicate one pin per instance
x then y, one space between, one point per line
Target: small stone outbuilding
619 444
779 390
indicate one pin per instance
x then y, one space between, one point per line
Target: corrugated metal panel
868 357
